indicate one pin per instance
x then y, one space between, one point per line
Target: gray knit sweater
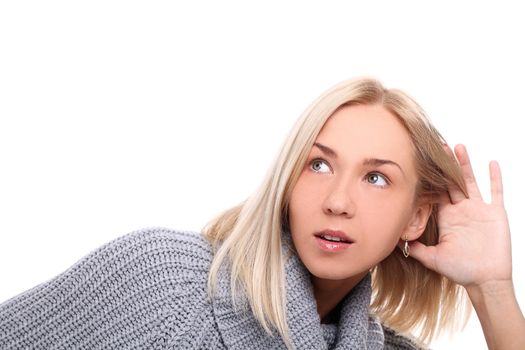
148 290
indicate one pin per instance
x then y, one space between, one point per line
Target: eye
377 179
320 166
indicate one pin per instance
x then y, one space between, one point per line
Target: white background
116 116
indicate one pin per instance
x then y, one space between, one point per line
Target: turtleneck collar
356 328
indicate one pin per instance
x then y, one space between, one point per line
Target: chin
338 269
337 274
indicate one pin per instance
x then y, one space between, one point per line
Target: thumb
424 254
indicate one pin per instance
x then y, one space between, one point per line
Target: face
354 199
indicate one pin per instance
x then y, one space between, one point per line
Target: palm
474 243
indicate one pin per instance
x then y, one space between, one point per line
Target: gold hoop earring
406 249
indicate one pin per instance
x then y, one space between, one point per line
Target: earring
406 249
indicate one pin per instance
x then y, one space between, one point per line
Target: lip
331 246
335 233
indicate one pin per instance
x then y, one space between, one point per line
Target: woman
310 260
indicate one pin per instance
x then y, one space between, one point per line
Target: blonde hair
406 295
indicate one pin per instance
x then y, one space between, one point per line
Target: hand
474 242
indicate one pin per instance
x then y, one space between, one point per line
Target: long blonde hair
407 296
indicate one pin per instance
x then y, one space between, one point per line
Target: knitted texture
148 290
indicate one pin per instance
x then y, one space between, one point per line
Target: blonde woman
366 230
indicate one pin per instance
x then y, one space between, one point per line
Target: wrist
499 313
492 294
491 287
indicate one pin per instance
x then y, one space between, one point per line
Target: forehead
362 131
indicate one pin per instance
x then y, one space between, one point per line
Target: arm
474 250
126 294
499 314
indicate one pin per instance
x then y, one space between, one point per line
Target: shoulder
158 241
161 235
398 341
155 253
132 288
155 249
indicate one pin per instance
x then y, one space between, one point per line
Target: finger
424 254
448 151
496 183
455 194
443 199
468 173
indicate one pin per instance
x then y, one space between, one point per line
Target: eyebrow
326 150
368 161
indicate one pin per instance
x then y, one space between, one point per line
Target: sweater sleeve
123 295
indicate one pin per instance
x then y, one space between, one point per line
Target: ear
418 222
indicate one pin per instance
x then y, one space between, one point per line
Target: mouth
334 236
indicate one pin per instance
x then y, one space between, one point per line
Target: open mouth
335 239
333 242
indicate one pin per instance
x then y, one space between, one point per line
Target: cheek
304 205
300 202
386 218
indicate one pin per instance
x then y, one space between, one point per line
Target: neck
329 293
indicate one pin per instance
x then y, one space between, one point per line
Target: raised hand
474 243
474 250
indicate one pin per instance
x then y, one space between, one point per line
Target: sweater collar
356 329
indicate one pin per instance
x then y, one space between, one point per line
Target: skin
339 192
339 189
474 231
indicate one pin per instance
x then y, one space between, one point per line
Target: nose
338 200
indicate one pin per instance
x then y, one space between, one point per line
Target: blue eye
377 179
319 166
